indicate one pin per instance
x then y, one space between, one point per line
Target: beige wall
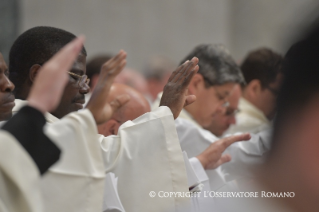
142 28
269 23
171 27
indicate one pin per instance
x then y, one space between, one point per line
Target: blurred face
222 121
300 149
6 88
73 95
268 96
209 100
136 107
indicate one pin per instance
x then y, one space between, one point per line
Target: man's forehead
226 88
79 66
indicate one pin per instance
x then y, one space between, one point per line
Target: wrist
37 105
202 160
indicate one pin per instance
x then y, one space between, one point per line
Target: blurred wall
270 23
141 27
9 25
171 27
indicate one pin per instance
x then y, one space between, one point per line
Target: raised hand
101 110
175 91
212 157
48 87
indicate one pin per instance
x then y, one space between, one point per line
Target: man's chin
78 106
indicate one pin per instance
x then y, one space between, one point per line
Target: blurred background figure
263 75
93 69
128 76
156 72
293 161
135 80
222 121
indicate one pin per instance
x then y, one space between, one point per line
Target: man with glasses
262 71
217 77
222 121
137 106
23 70
76 182
218 74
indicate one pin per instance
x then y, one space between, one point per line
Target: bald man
209 159
136 107
222 121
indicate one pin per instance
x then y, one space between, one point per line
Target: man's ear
196 83
253 89
33 72
109 128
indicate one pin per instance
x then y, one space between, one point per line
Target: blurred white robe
76 181
145 156
19 178
246 154
194 140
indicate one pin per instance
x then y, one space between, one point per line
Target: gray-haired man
217 76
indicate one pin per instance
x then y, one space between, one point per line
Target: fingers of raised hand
226 142
67 54
190 75
113 66
63 60
173 76
186 74
183 71
223 159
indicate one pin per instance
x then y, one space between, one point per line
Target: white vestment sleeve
19 178
245 154
202 202
76 181
112 202
194 141
146 157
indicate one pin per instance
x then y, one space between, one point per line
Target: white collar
21 103
246 107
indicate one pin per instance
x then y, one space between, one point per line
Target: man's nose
84 89
6 85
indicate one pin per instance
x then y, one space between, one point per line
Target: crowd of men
207 135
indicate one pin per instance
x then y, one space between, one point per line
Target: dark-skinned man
137 150
6 95
26 151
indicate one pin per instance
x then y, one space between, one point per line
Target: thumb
118 102
189 100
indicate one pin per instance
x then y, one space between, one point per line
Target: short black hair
35 46
93 67
262 64
215 64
